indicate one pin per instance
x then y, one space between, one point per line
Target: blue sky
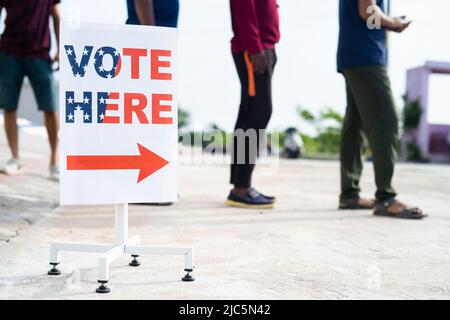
305 74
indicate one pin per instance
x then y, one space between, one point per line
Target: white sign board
118 114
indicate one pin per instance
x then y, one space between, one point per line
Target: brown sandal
382 210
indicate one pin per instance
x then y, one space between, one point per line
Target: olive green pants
370 111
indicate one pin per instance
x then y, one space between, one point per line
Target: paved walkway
25 199
302 249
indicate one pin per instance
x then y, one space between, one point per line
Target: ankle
240 191
53 161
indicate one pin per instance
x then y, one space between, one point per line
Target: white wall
439 99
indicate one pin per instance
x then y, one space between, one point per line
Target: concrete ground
304 249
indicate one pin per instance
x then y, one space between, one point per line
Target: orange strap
251 76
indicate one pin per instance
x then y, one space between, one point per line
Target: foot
12 167
272 198
356 204
396 209
54 172
251 200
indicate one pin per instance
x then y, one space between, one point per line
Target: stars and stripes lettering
102 70
114 108
74 108
118 107
102 100
78 65
157 61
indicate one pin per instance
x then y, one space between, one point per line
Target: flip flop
381 210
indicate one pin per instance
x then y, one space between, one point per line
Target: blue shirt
358 45
166 13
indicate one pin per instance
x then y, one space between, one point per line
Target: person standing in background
25 51
256 31
161 13
362 59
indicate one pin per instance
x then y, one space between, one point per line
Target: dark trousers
254 114
370 110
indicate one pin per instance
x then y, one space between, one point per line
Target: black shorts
12 72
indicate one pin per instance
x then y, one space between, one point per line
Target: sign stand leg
122 246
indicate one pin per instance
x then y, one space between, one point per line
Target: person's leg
236 178
42 80
51 123
373 96
12 132
11 78
254 114
243 107
257 115
351 148
260 113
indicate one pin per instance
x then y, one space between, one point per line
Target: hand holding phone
400 23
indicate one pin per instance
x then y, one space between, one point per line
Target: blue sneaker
252 200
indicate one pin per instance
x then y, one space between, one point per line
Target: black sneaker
251 200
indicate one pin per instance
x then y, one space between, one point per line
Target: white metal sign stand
112 252
118 89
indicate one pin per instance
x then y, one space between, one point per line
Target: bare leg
12 133
51 123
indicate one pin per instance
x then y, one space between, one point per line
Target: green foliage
411 114
328 125
312 145
414 153
183 118
329 140
330 114
306 115
218 139
213 139
215 126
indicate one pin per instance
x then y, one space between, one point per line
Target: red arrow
146 162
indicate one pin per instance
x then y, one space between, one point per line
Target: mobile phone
407 20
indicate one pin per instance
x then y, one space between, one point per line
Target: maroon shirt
255 25
27 31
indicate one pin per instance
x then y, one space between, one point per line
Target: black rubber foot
54 271
103 288
135 262
188 277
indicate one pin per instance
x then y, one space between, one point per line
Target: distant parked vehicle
293 144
